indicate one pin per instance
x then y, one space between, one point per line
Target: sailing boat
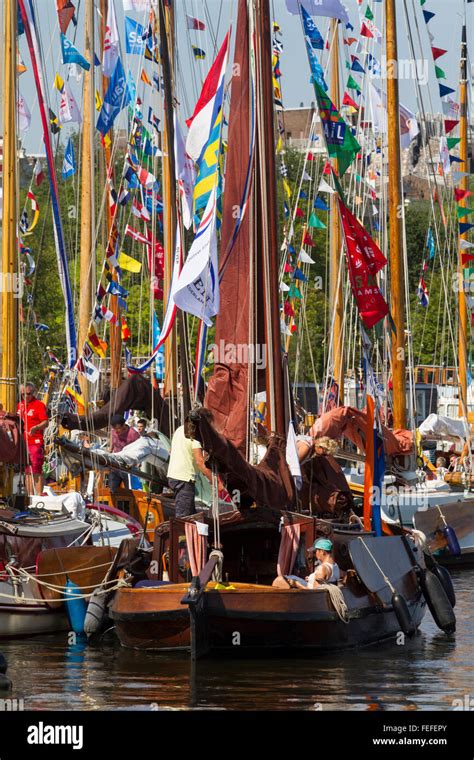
249 543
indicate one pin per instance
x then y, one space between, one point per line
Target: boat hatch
389 553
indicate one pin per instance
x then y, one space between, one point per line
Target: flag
128 263
111 42
66 14
364 261
135 235
409 128
116 98
430 243
374 458
199 54
69 162
340 141
68 108
197 290
160 356
311 30
144 77
38 173
24 115
324 187
96 345
208 168
134 42
307 239
208 105
194 23
70 54
185 174
422 293
329 8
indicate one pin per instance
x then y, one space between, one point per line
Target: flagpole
335 273
464 185
87 259
114 328
9 220
395 208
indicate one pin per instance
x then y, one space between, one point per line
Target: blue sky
446 28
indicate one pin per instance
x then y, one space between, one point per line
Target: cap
323 543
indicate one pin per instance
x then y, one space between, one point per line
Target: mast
335 273
267 228
114 328
166 23
9 221
395 207
464 185
87 259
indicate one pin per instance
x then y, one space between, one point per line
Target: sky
296 88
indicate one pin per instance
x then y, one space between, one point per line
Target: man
121 435
325 570
34 416
141 427
186 457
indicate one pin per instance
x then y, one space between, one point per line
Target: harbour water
430 672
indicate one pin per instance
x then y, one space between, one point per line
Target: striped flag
194 23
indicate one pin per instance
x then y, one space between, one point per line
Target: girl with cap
326 570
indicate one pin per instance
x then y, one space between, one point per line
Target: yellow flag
107 140
279 146
144 77
58 82
126 262
287 188
98 101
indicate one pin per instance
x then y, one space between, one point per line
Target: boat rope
23 575
79 570
337 600
120 583
385 577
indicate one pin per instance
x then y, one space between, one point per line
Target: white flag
68 109
284 287
329 8
408 124
325 188
185 173
465 244
305 258
197 289
24 115
111 42
292 458
306 177
444 155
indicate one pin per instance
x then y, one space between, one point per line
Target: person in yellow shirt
186 457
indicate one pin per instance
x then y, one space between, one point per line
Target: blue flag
160 358
134 42
69 163
317 73
430 243
71 54
116 98
311 31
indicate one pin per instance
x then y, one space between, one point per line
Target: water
426 673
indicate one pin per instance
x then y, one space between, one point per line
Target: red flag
156 267
365 31
437 52
38 173
288 268
308 240
194 23
327 168
347 101
364 260
466 258
288 309
449 125
349 41
66 12
461 194
310 157
126 334
299 213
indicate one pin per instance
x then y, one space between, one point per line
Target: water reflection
427 672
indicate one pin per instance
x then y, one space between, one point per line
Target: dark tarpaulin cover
136 392
12 444
268 483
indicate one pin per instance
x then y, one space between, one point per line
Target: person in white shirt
185 458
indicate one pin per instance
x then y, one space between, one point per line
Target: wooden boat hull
253 618
460 516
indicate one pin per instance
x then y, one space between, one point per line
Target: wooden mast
9 220
115 329
267 232
395 209
335 273
464 185
87 259
166 22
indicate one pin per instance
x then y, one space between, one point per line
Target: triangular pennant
305 258
307 239
452 142
444 90
462 211
347 101
461 194
437 52
325 188
449 125
319 203
428 15
315 222
465 227
439 73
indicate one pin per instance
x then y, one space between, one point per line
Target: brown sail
227 394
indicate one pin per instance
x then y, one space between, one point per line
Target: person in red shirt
34 416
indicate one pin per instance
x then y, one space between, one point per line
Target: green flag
462 212
294 292
452 142
352 84
369 14
340 141
314 221
439 73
